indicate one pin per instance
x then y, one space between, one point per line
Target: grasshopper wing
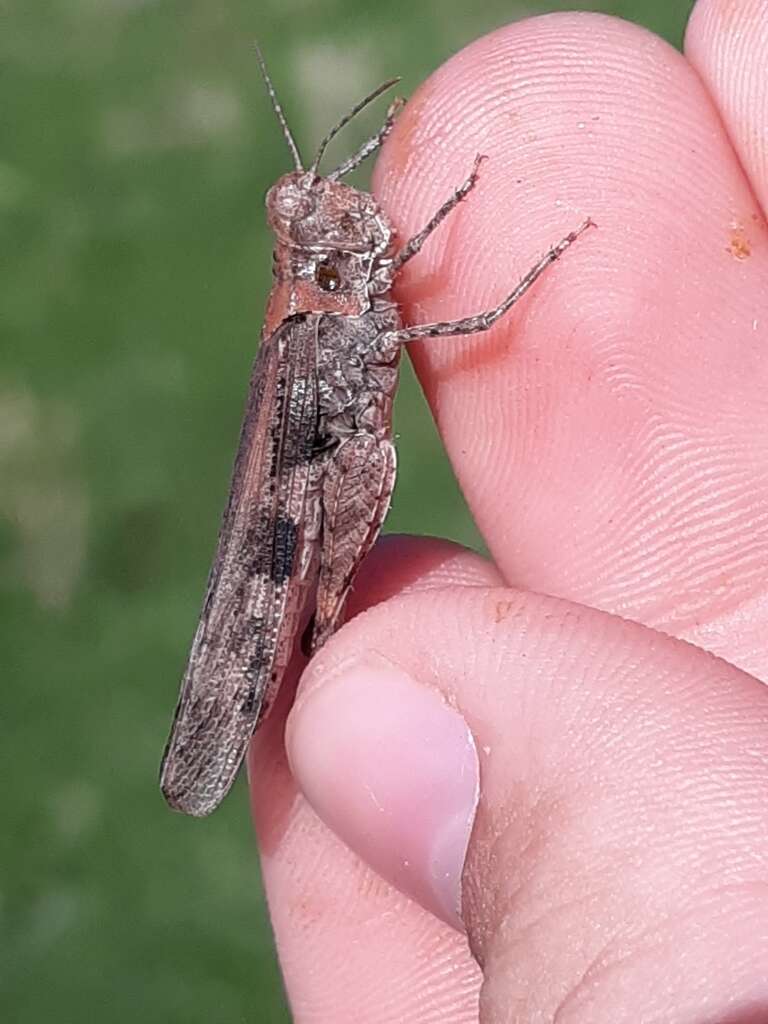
264 565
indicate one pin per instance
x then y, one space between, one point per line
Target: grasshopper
316 465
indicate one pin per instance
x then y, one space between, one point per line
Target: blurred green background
137 145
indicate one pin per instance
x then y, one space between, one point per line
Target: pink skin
610 438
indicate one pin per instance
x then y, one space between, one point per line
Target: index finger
608 433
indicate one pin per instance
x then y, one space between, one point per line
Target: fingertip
728 45
555 105
392 769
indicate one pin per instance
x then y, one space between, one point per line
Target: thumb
584 796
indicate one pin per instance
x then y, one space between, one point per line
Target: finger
621 832
352 948
609 433
727 43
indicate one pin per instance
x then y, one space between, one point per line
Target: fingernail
393 771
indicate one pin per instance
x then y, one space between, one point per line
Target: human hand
610 437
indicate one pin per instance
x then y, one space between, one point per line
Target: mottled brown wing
255 593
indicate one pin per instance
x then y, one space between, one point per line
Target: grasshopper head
329 239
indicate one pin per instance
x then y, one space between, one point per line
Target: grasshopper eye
328 278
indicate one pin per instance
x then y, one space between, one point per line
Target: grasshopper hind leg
358 484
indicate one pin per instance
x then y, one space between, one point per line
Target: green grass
137 145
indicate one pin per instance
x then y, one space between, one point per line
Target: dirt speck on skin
739 245
502 610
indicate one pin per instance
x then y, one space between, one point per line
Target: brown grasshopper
315 467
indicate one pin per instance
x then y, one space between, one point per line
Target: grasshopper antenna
279 110
348 117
